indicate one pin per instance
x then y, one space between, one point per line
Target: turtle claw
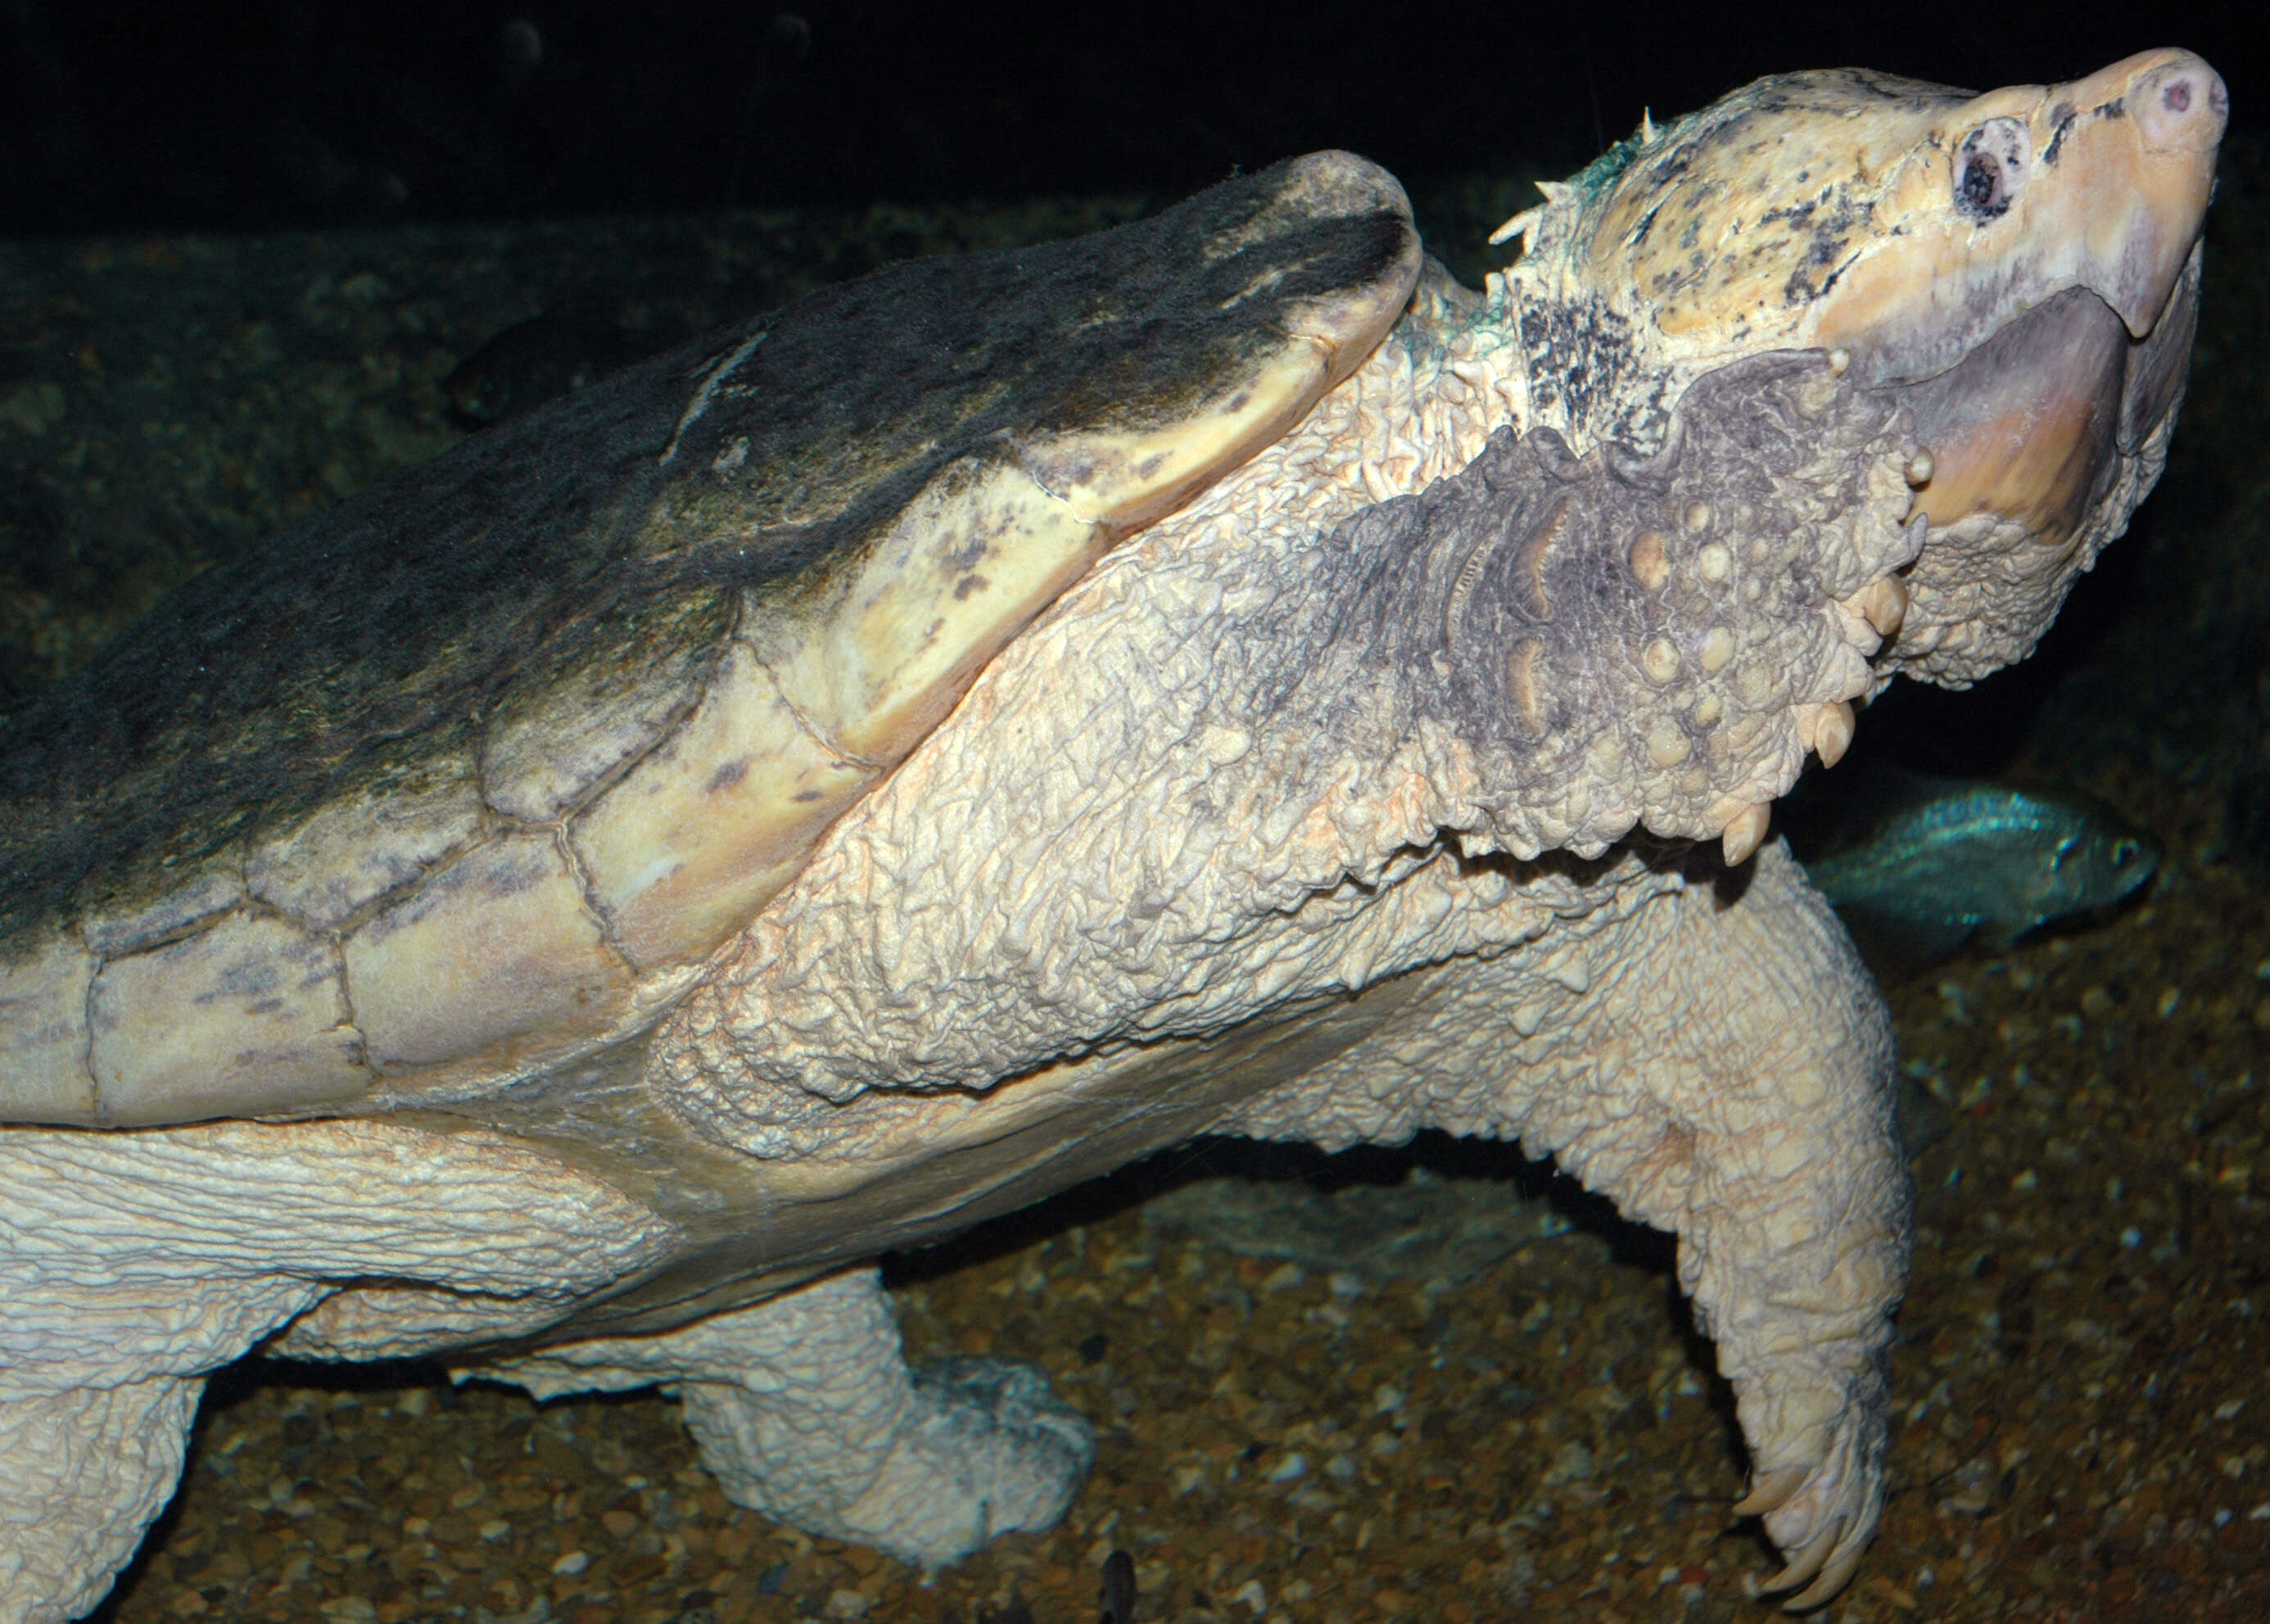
1769 1490
1804 1563
1821 1514
1835 1575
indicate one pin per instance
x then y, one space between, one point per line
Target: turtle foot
1821 1512
803 1410
84 1471
985 1449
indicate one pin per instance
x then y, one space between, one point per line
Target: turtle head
2018 268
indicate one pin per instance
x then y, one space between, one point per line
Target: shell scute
379 838
43 1038
716 821
245 1016
599 695
497 950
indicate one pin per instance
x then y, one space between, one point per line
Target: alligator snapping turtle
569 908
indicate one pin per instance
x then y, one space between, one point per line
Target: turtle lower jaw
2035 450
2025 426
2028 426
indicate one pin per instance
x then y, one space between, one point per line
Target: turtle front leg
1729 1078
803 1410
1721 1067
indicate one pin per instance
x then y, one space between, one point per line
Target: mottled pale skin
1354 795
1315 778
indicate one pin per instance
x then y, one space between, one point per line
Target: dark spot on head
802 796
968 584
1150 466
1979 187
2118 107
1237 403
2063 120
726 776
1986 180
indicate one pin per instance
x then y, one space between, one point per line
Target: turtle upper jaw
2177 109
2018 194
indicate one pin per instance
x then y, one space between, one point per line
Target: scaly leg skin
1722 1069
1740 1094
803 1410
86 1470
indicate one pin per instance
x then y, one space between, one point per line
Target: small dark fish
538 360
1118 1588
1944 859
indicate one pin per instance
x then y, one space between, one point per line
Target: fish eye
1990 169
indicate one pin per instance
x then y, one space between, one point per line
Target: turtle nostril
2186 108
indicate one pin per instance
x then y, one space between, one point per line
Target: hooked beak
2142 137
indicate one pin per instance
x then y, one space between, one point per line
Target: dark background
127 114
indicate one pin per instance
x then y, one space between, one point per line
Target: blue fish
1944 859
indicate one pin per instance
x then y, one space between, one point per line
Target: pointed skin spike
1887 601
1832 733
1520 226
1745 834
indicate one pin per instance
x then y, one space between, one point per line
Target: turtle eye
2124 851
1990 169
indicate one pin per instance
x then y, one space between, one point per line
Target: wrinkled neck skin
2018 268
1546 650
